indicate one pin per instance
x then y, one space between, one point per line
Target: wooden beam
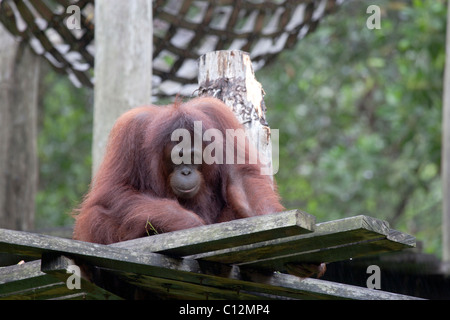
329 254
138 264
327 234
28 282
247 283
331 241
123 65
35 245
225 235
15 279
57 266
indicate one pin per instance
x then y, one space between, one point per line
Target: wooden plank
28 282
108 257
35 245
19 277
244 283
330 234
318 289
175 289
47 292
327 235
138 264
299 288
331 254
57 266
225 235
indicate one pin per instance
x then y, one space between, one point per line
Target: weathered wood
15 278
175 289
321 289
28 282
299 288
242 283
331 241
225 235
35 245
228 75
58 266
49 292
327 234
137 264
330 254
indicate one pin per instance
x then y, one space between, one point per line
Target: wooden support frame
332 241
194 277
225 235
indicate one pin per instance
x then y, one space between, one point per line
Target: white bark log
229 76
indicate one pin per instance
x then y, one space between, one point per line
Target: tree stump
229 76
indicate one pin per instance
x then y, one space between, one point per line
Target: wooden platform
241 259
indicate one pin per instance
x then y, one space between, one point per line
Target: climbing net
62 31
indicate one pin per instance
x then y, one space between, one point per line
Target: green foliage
359 113
64 146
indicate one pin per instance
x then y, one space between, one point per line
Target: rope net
62 31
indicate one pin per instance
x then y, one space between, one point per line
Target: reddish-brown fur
131 186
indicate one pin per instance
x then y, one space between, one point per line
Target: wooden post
446 151
19 78
123 64
229 76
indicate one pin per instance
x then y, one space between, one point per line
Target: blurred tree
359 113
19 74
